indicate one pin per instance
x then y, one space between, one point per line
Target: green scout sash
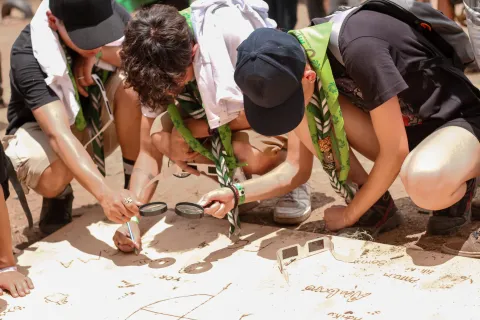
222 150
324 110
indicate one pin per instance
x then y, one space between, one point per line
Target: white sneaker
294 207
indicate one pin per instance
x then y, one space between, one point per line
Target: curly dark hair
156 53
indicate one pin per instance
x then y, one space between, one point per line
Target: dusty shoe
294 207
469 248
449 220
381 217
56 212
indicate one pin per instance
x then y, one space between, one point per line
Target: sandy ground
173 190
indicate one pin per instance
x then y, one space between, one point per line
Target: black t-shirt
382 56
27 80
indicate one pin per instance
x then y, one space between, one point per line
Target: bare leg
259 162
54 180
357 173
450 154
359 128
127 122
54 186
435 172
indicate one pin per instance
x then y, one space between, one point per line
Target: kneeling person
410 117
51 106
159 56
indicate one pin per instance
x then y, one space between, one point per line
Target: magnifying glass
189 210
153 209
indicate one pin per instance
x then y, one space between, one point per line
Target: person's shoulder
23 43
22 57
371 24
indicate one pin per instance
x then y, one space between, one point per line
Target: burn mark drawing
57 298
176 308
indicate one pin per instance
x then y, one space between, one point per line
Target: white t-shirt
234 29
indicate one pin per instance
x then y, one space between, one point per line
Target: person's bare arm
295 171
83 67
13 281
392 138
6 254
147 167
53 120
148 164
111 55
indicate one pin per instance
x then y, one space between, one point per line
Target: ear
52 21
194 49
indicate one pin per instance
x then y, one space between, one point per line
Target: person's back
18 112
385 57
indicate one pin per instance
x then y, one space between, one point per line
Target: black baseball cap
90 23
269 71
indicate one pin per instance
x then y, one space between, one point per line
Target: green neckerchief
324 111
222 150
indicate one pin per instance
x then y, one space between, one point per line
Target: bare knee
158 141
258 162
424 181
54 180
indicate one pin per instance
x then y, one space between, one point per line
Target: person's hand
218 203
82 71
120 206
179 148
122 239
16 283
336 218
180 152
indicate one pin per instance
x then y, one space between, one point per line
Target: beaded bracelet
241 192
235 195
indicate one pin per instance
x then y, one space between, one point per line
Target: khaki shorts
31 153
267 145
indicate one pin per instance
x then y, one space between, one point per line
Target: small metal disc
189 210
153 209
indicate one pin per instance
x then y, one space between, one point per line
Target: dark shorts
418 133
3 173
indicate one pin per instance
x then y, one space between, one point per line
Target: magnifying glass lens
189 210
153 209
